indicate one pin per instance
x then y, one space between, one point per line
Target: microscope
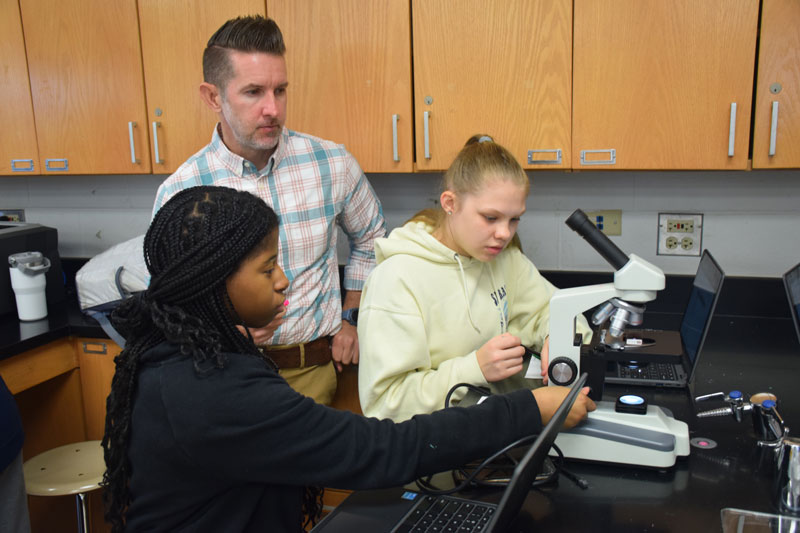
621 432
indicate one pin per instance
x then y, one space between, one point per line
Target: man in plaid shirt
314 185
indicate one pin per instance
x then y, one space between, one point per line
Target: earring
449 212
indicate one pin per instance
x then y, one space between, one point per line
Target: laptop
399 510
664 358
791 281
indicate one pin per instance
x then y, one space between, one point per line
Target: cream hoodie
425 311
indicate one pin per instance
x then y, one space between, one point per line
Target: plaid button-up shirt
314 185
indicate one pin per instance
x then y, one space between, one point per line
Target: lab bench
46 365
741 353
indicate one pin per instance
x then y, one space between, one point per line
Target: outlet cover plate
680 234
609 221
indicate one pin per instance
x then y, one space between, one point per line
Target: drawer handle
156 125
556 161
395 155
425 122
132 125
16 165
612 157
732 130
773 129
52 164
94 347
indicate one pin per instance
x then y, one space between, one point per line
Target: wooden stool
70 469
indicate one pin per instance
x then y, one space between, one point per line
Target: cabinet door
174 35
96 360
349 67
500 68
86 81
663 85
18 149
776 131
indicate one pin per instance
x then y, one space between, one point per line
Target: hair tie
485 139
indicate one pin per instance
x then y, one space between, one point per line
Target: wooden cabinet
501 68
96 361
589 84
18 150
349 67
656 84
86 82
776 128
46 385
174 35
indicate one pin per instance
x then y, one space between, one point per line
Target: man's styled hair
243 34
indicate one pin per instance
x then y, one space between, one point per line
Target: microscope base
654 439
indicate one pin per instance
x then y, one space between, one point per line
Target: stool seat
69 469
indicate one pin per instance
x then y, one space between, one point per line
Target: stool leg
83 521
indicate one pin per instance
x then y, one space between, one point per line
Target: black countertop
63 319
748 353
741 353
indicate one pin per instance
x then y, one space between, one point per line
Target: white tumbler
27 271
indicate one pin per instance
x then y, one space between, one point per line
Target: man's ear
210 95
448 201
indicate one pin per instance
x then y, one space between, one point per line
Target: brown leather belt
316 352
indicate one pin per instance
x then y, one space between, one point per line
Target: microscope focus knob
562 371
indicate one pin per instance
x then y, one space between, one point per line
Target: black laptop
399 510
664 358
791 281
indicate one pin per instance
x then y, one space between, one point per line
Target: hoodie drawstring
466 292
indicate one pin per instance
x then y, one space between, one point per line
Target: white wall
752 219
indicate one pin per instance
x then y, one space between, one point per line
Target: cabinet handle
396 156
612 157
16 168
156 125
49 164
94 347
425 122
732 130
131 125
773 129
556 161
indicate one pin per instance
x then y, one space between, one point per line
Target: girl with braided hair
203 434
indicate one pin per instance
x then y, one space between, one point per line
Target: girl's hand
500 357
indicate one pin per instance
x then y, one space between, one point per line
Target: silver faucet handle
712 396
777 443
776 423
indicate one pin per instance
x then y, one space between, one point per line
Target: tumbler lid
30 263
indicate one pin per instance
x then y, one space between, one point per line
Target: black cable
469 479
483 391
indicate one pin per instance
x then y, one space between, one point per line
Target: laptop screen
791 280
702 301
531 463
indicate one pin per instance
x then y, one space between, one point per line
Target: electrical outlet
12 215
677 225
609 221
680 234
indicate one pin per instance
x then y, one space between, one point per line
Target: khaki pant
316 382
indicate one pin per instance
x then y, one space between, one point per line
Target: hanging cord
465 477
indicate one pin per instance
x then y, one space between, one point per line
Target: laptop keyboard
651 371
448 515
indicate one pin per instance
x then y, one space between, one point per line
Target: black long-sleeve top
231 450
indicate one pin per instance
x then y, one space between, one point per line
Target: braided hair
194 243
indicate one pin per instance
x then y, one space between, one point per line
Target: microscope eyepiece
580 223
